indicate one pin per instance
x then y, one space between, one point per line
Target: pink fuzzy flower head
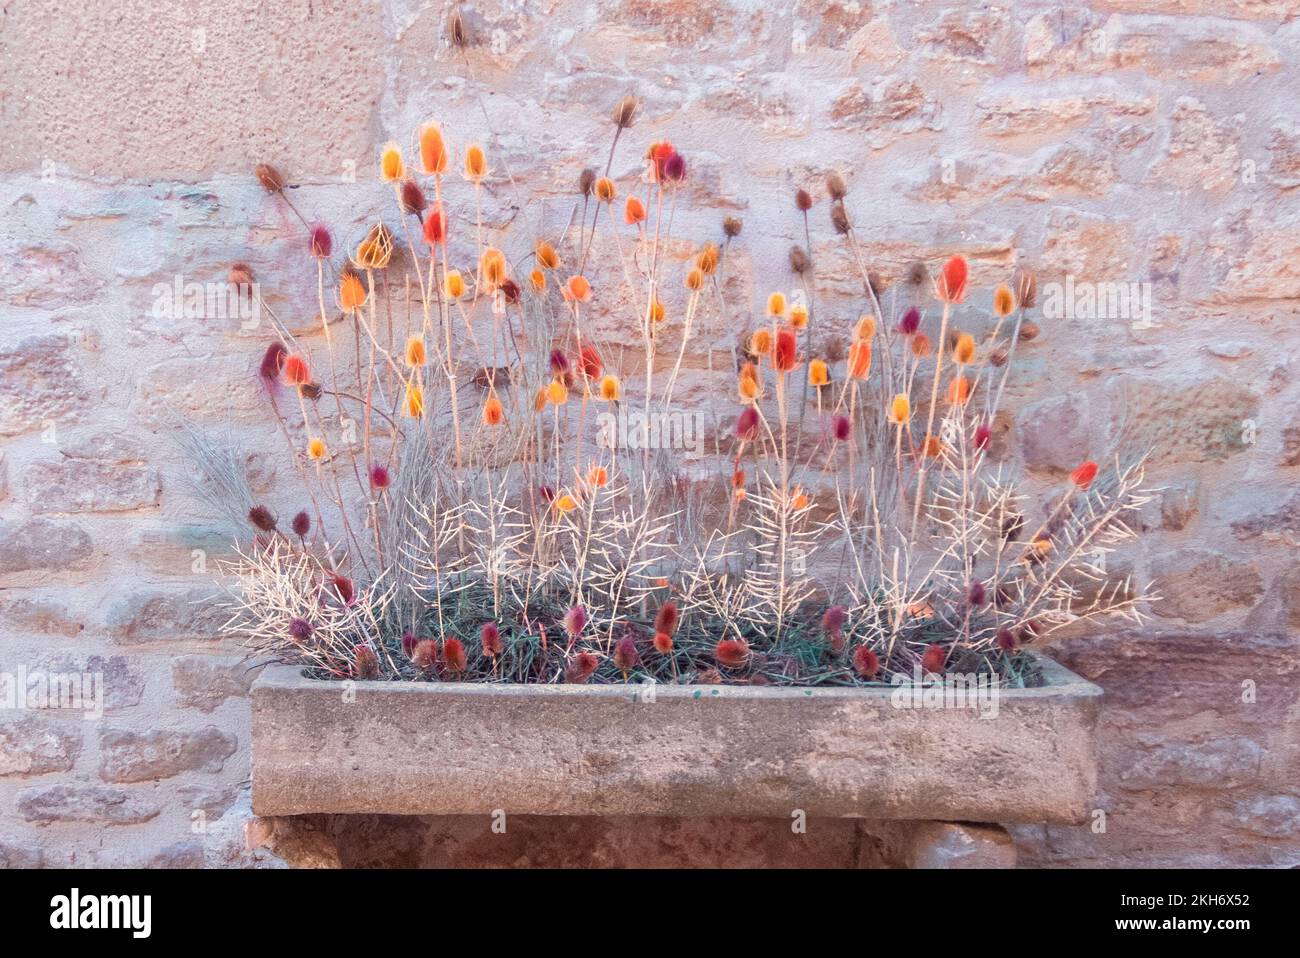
625 657
675 167
380 477
301 524
581 667
834 618
490 636
575 620
666 618
910 322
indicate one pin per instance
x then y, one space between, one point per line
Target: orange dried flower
663 643
547 258
415 354
860 359
900 410
433 152
963 354
1004 303
798 315
731 653
921 346
605 190
476 169
610 390
557 394
493 413
565 503
453 284
538 279
435 227
352 292
866 328
931 447
958 391
492 267
656 312
414 401
633 211
695 279
590 362
776 304
819 373
316 449
760 344
376 248
597 476
577 289
950 284
707 260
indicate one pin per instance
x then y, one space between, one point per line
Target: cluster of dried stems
850 529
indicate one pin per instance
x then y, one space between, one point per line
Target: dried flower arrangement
849 529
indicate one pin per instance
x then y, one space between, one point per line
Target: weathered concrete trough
443 748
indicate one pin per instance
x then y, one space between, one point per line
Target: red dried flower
982 436
841 428
675 168
625 657
295 371
747 424
834 618
663 643
490 636
865 662
1084 474
413 200
301 524
933 659
910 322
425 654
785 351
666 618
950 285
975 594
1006 640
592 367
435 227
320 243
343 586
453 655
547 493
731 653
581 667
575 620
272 360
559 362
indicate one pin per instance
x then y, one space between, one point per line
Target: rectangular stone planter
444 748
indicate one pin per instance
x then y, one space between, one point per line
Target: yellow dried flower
776 304
760 344
391 167
866 328
1003 302
414 401
819 373
376 248
565 503
964 352
556 393
900 410
538 279
433 152
453 284
610 389
492 267
798 315
316 449
656 311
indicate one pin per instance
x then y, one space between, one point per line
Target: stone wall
1116 141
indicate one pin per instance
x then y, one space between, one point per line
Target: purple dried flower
910 322
300 629
261 517
301 524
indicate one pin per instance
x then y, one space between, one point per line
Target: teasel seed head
860 359
933 660
663 643
575 620
841 427
413 401
1003 302
900 410
731 226
1028 332
633 211
380 477
476 168
1084 474
747 424
976 594
435 227
625 657
433 151
547 257
917 275
803 200
983 435
261 517
319 242
625 112
840 218
833 619
415 352
798 316
731 653
391 166
666 618
295 371
490 637
798 259
272 180
836 188
454 658
300 629
272 363
999 357
456 33
301 524
1025 284
586 180
785 351
413 199
707 260
819 373
950 285
865 662
365 664
424 655
1006 640
409 642
605 190
581 667
910 322
963 353
493 411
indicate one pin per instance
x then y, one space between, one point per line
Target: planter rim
1058 681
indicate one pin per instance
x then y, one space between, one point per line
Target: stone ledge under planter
445 748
